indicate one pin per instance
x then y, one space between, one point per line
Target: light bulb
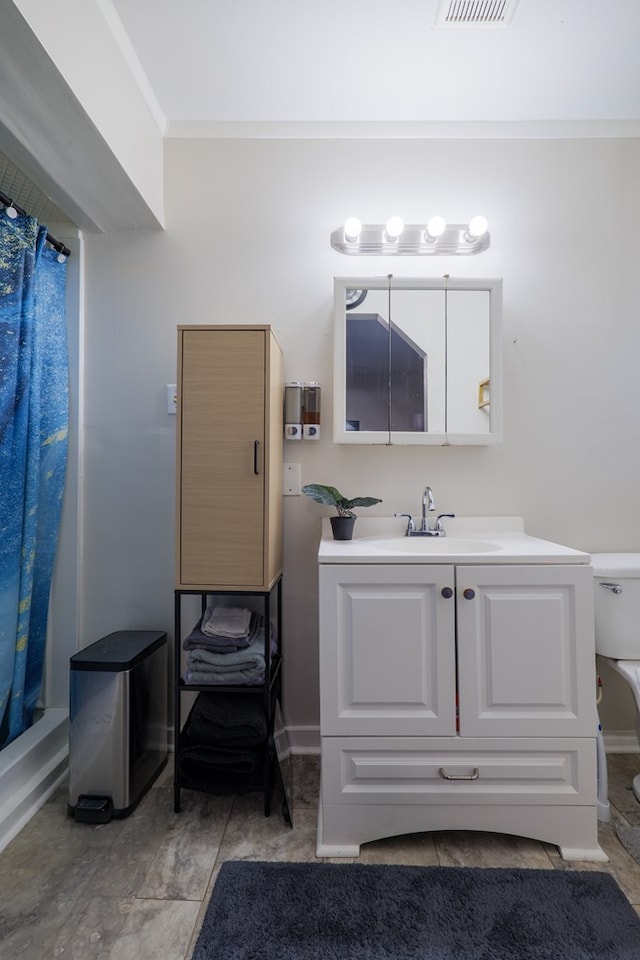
393 228
435 228
477 226
352 228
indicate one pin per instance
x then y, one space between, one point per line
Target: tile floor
137 888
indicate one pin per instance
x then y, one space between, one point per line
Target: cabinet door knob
468 594
447 593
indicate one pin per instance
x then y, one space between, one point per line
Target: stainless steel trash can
118 723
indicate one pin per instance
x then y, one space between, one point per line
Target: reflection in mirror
417 361
386 367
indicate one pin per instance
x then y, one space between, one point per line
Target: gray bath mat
328 911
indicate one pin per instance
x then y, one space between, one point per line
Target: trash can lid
121 650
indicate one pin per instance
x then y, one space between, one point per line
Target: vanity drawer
452 770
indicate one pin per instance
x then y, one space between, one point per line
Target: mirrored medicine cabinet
417 361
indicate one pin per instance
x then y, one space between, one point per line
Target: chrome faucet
425 530
428 503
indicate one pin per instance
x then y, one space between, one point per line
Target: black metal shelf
270 690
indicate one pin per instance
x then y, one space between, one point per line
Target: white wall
247 240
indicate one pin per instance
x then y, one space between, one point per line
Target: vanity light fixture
352 229
436 226
393 229
477 228
436 237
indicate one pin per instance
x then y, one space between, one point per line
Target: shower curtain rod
56 244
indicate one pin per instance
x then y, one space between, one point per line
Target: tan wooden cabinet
229 458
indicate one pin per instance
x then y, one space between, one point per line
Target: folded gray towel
199 658
232 622
219 644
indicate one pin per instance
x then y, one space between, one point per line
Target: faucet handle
439 520
410 523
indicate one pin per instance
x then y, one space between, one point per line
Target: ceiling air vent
475 13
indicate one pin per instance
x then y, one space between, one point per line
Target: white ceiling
383 61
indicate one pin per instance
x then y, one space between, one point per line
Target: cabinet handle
256 457
459 776
469 594
447 593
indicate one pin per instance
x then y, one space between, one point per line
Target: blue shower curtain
34 418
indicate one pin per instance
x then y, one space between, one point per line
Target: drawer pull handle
459 776
447 593
469 594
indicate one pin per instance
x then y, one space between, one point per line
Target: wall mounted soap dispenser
302 410
311 410
293 411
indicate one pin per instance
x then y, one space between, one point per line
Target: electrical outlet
291 479
172 398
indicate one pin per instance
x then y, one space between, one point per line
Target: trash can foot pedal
93 809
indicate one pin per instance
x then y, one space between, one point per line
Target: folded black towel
217 771
229 720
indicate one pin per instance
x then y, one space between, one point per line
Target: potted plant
342 524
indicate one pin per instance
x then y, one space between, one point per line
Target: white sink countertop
468 540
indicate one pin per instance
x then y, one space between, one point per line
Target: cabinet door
387 650
526 661
221 450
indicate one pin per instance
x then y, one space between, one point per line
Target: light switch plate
172 398
291 479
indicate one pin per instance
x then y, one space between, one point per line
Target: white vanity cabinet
457 696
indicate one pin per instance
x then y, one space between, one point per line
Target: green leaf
363 502
322 493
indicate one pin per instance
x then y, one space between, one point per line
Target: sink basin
444 546
486 540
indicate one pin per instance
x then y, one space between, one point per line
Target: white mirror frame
494 289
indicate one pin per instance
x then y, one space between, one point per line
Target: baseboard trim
304 740
621 741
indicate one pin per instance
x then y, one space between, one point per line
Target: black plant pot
342 527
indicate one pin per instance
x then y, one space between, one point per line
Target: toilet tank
617 604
